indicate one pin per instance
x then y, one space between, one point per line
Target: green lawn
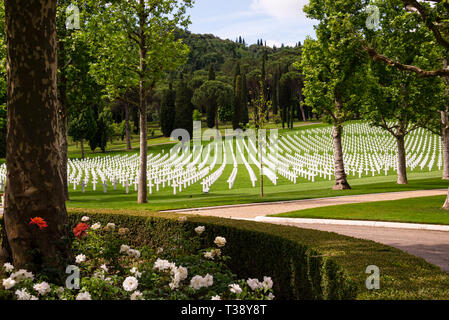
243 192
414 210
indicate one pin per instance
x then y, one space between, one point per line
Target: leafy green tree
261 108
83 127
138 40
333 71
433 17
104 130
401 101
212 95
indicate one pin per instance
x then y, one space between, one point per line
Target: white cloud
280 9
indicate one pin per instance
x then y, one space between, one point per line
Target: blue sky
276 21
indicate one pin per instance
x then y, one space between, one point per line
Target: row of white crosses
305 154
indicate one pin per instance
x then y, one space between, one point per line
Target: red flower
41 223
80 230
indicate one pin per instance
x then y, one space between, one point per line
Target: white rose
267 283
124 248
83 296
217 297
96 226
209 255
110 226
220 241
254 284
8 283
8 267
183 273
137 295
22 274
235 288
23 294
43 288
136 272
130 284
133 253
80 258
85 219
199 230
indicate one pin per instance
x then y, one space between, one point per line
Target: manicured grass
414 210
243 192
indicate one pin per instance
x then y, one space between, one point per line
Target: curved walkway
253 210
430 242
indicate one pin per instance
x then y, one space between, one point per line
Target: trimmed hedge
298 271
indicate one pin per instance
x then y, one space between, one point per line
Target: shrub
298 271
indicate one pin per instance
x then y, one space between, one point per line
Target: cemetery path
431 245
253 210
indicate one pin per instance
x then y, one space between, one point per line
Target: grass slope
414 210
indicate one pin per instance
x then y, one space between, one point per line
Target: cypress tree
236 106
184 107
168 111
211 72
275 94
244 101
237 72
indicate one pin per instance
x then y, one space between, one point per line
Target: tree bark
341 182
142 189
34 186
445 129
301 107
82 148
402 165
127 133
445 147
63 112
446 203
64 152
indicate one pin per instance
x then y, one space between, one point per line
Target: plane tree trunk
341 182
445 143
34 185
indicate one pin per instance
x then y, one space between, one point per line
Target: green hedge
298 272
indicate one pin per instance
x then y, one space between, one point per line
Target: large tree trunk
63 112
402 165
445 144
341 182
446 203
34 186
64 152
127 133
82 148
301 107
142 189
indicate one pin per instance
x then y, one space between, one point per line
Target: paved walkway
254 210
430 242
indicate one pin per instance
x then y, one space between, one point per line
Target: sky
274 21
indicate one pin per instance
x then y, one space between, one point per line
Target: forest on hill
217 82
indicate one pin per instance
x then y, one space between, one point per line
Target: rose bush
111 268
